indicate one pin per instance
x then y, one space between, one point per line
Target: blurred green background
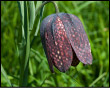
95 18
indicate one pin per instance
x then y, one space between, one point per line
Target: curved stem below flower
56 7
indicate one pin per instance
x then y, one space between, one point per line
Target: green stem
26 48
5 76
25 58
56 7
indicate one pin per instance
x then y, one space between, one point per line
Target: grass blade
25 62
21 9
30 67
38 4
41 13
38 54
5 75
32 14
38 25
101 76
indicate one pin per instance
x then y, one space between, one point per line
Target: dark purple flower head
65 41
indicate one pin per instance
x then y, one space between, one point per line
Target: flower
64 41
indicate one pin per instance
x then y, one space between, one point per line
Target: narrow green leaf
37 53
32 14
25 20
22 52
38 25
5 75
41 13
21 9
45 77
27 39
38 4
95 81
25 61
30 67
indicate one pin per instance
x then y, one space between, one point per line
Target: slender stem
56 7
26 50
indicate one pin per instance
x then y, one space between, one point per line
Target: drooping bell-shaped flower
64 41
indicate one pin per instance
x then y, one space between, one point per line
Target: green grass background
95 18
